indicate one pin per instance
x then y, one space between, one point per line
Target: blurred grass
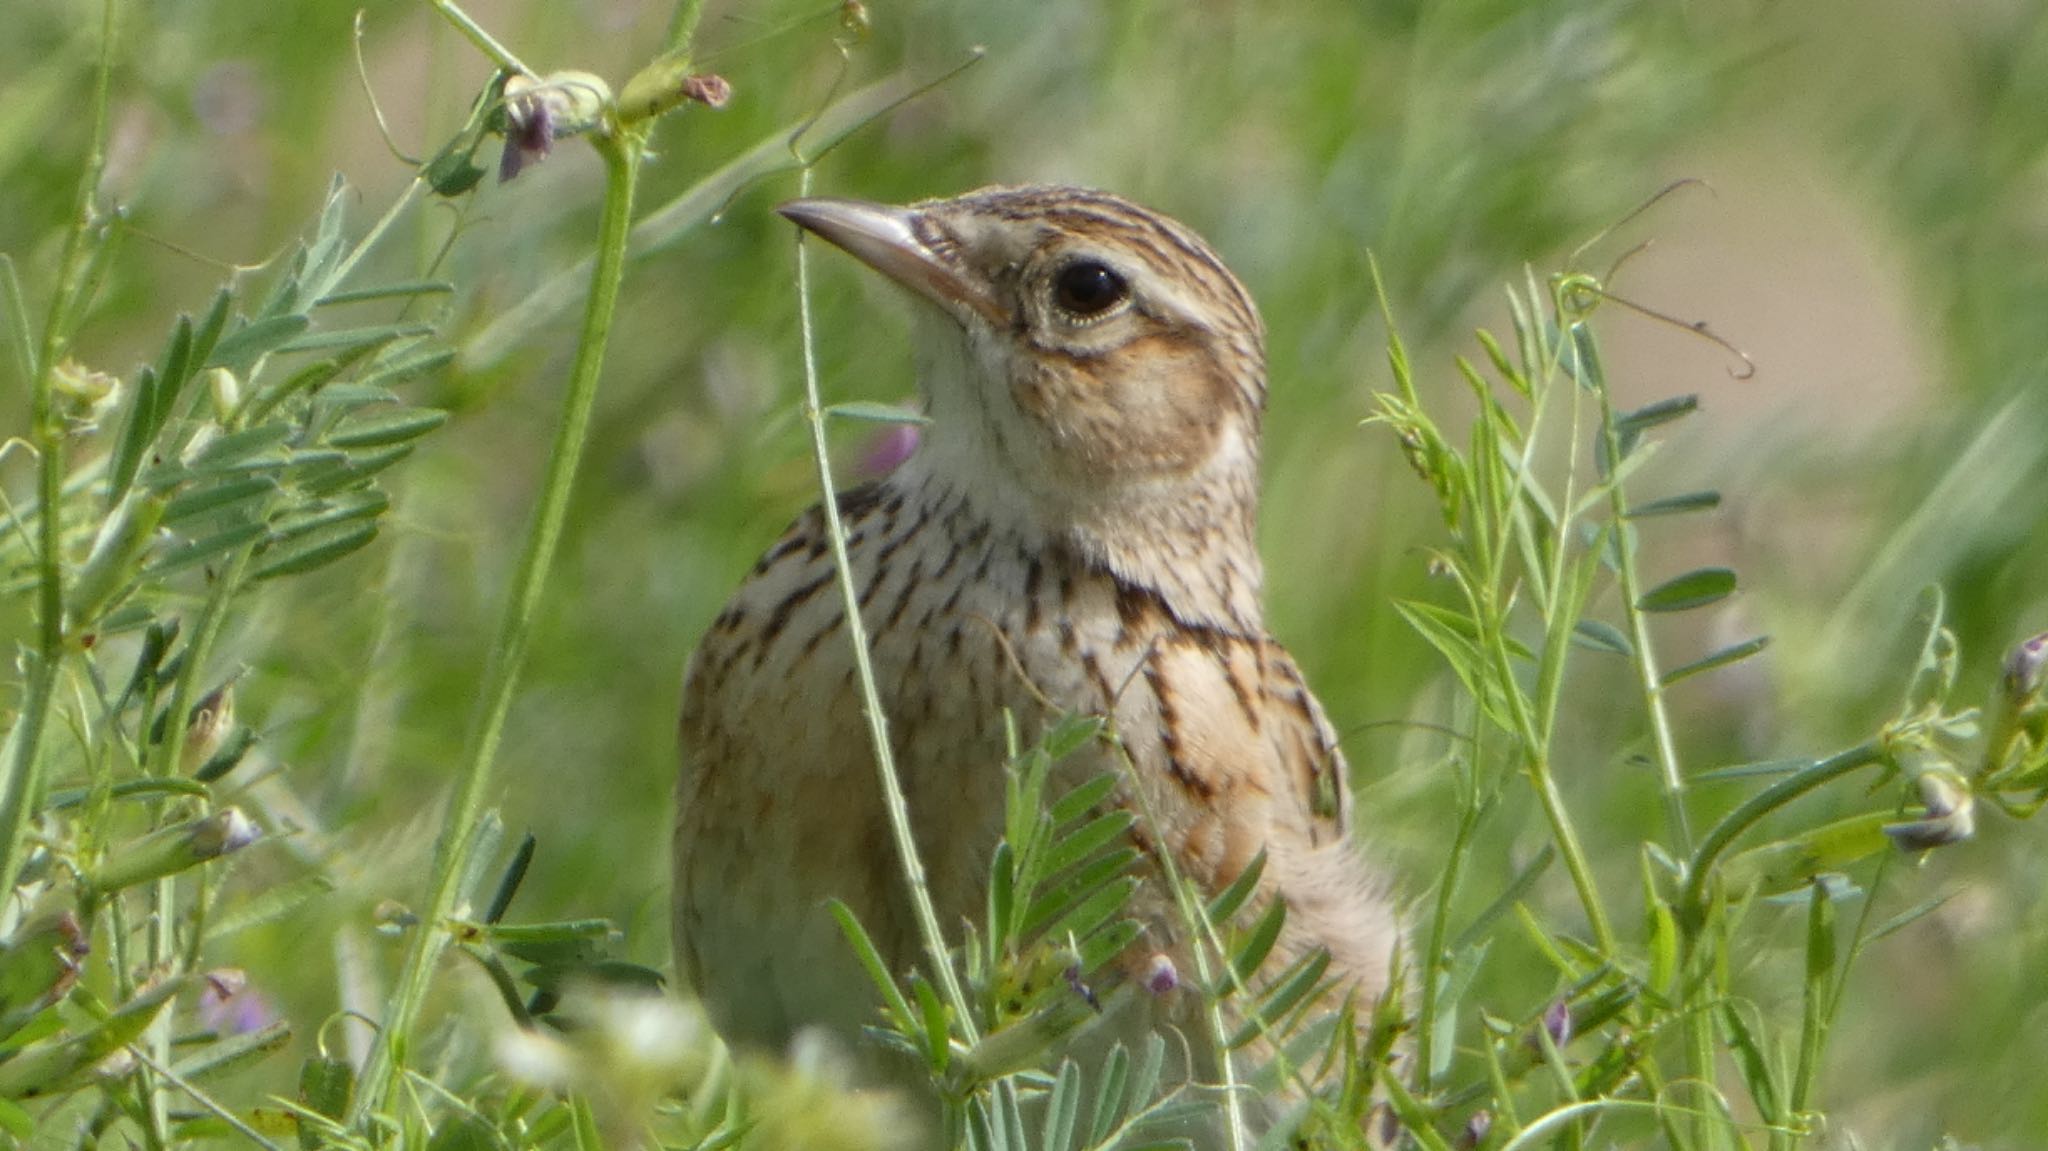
1455 141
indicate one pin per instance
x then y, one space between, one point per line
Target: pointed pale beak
883 238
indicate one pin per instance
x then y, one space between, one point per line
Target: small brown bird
1075 529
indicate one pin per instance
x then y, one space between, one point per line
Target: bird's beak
883 238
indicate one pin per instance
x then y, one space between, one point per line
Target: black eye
1088 288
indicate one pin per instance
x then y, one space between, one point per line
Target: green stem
23 778
1647 673
1568 846
622 153
919 889
1435 961
682 27
483 40
1756 808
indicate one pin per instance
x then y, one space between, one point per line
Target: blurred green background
1875 237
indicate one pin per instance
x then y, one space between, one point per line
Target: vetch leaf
1733 653
1696 588
1599 635
1258 944
350 339
1223 908
1082 799
874 413
1079 844
1675 505
1655 415
239 351
358 468
313 550
407 289
402 367
311 518
237 449
216 496
136 436
871 959
386 428
200 550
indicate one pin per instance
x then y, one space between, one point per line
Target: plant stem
484 41
622 153
23 770
1755 808
914 881
1586 353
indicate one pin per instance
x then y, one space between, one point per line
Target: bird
1074 534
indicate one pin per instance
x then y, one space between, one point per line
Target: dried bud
212 718
853 17
709 89
84 396
1160 975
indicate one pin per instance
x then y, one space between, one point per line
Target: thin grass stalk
621 153
485 43
914 881
1586 354
23 778
162 764
1436 962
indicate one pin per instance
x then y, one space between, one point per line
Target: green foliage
254 578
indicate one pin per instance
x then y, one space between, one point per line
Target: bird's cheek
1171 402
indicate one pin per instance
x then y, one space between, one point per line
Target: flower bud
1160 975
170 850
1951 814
2025 684
1477 1128
226 391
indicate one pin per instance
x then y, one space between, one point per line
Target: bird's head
1084 347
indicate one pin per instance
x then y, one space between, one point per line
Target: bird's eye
1087 288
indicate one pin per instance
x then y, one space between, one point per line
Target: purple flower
2025 666
888 449
529 135
1160 975
1557 1020
229 1006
